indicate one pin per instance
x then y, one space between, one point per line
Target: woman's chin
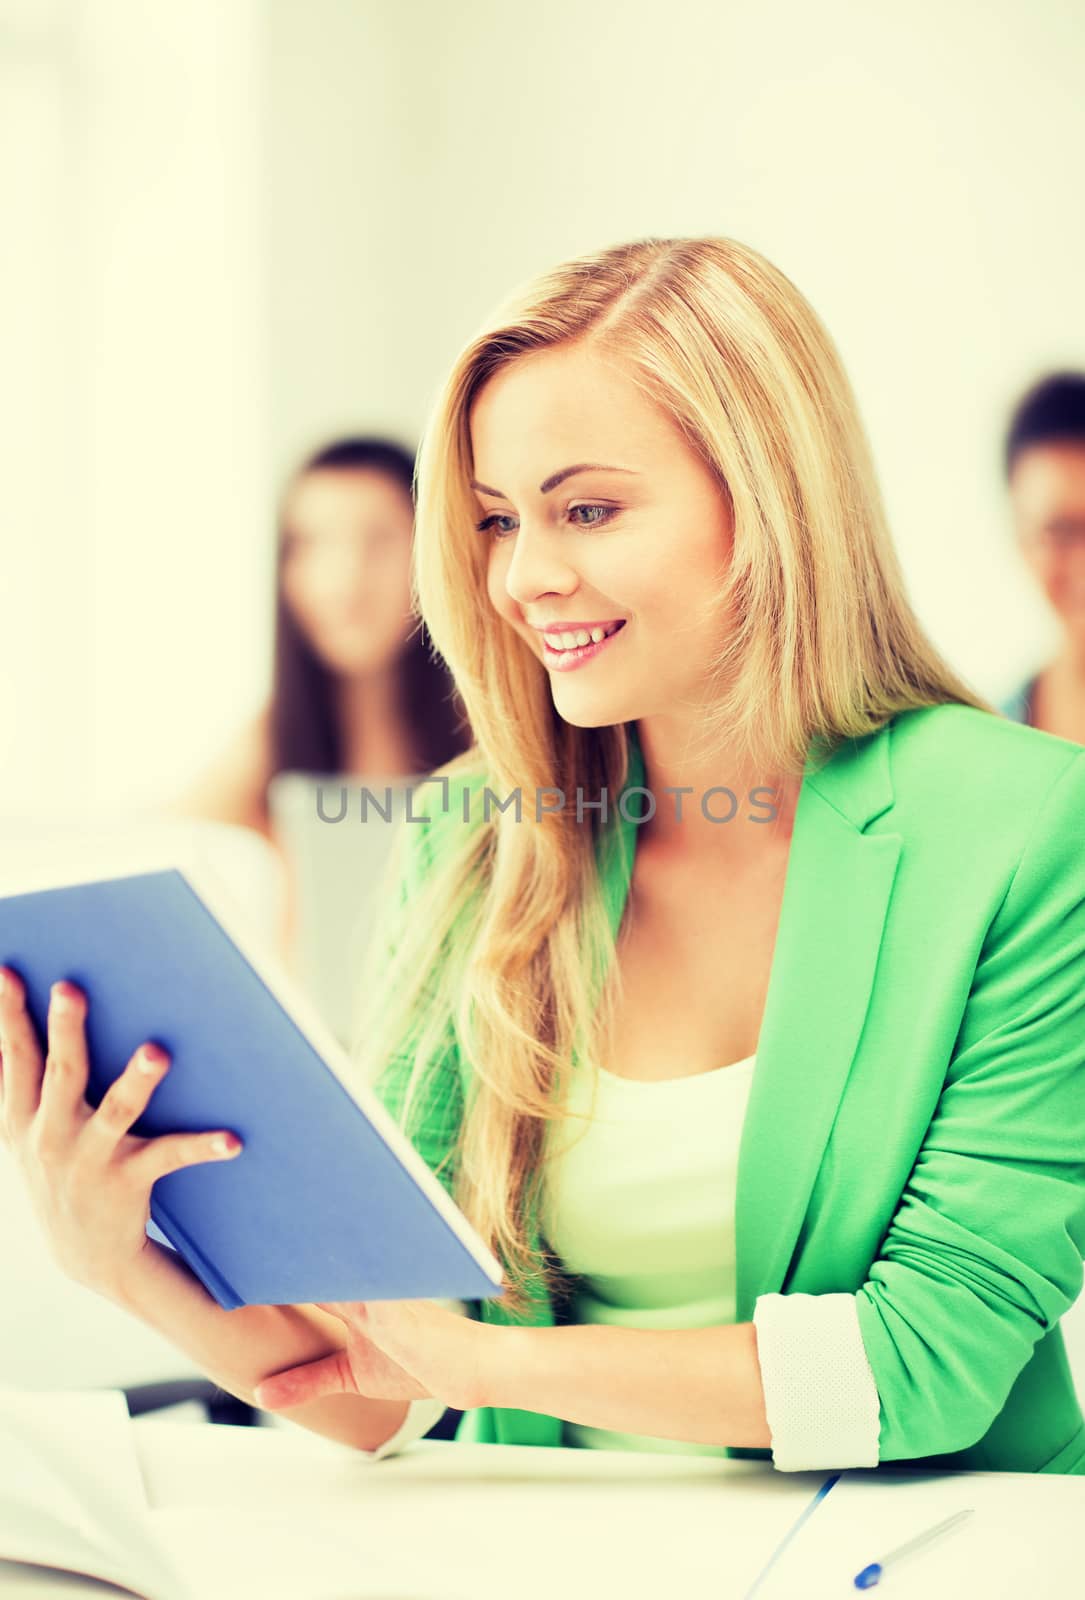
355 661
588 711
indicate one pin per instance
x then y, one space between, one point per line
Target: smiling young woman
827 1195
825 1202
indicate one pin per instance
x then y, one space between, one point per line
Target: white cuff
821 1400
421 1414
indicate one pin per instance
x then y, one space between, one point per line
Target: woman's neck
1058 700
1070 661
376 738
694 827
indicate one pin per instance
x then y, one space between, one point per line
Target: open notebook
71 1496
75 1520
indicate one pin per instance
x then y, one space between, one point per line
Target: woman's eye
604 515
487 522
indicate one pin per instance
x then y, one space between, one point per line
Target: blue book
327 1200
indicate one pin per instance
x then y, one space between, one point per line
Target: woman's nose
537 566
344 568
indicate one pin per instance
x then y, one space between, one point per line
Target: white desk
445 1520
455 1521
286 1515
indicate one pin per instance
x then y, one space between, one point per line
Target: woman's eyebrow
556 478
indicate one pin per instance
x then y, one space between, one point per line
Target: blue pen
870 1575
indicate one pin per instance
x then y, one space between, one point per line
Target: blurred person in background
357 688
1045 469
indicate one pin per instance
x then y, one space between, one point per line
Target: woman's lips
569 660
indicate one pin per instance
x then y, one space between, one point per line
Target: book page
73 1500
23 1582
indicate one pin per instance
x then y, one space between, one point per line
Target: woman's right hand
89 1179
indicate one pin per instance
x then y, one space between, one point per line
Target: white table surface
449 1521
284 1514
458 1521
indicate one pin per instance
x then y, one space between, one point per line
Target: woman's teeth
583 636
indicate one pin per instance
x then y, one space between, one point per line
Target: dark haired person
356 685
1045 469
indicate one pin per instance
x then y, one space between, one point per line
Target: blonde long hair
503 948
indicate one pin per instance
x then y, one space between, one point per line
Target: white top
640 1202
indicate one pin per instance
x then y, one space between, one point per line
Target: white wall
177 479
913 170
133 394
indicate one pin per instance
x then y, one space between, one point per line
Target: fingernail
148 1060
224 1144
61 999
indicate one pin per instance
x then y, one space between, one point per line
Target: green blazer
915 1129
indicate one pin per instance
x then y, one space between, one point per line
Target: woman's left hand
395 1350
